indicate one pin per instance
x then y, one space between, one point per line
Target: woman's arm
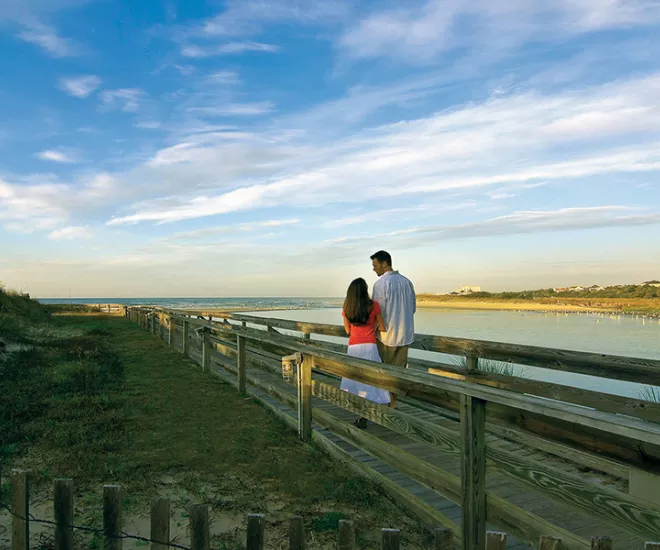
347 326
380 323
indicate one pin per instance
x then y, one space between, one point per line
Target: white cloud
477 145
46 37
235 109
56 156
420 31
70 233
80 86
126 99
229 48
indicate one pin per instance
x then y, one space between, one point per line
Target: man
396 296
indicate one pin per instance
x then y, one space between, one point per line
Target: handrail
615 367
425 386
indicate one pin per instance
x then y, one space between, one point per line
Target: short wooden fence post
112 517
199 527
63 513
20 499
160 524
296 533
255 532
346 538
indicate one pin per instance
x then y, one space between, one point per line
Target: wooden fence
199 525
617 435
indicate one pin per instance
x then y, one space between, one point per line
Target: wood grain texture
20 505
473 472
200 536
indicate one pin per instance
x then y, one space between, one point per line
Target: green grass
102 401
650 393
490 366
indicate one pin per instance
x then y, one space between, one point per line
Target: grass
99 400
491 366
650 393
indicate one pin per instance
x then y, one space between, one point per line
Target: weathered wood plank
63 513
112 517
305 398
495 540
20 505
346 536
241 364
548 543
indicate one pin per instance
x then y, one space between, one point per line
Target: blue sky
268 147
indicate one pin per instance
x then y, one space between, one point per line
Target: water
206 303
598 333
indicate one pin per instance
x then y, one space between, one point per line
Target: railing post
184 345
205 349
160 524
20 525
346 538
471 364
241 365
305 398
153 323
170 329
307 336
473 472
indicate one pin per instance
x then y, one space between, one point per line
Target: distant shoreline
642 307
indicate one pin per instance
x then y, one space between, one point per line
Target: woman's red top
364 334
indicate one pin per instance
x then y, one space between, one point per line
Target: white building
466 289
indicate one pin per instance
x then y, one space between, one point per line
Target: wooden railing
484 403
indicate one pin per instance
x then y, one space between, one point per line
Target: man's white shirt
396 296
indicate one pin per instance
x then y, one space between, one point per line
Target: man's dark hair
382 257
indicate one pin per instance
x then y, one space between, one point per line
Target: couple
381 329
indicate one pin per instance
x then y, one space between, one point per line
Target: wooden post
652 546
20 525
199 527
495 540
346 540
185 345
205 349
153 323
444 539
473 472
170 329
244 324
63 513
391 539
255 532
548 543
307 336
160 524
112 520
296 533
241 365
305 398
471 364
601 543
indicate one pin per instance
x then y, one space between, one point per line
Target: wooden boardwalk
532 484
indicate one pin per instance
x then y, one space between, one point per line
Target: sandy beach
505 306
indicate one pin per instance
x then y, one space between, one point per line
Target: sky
269 147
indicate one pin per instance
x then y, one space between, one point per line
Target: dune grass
95 398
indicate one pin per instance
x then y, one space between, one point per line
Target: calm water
584 332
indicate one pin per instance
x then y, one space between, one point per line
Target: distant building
466 289
595 288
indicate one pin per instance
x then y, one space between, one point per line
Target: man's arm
379 295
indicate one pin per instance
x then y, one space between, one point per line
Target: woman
362 317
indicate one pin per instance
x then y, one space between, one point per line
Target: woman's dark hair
358 305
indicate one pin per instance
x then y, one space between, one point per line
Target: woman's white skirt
370 353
